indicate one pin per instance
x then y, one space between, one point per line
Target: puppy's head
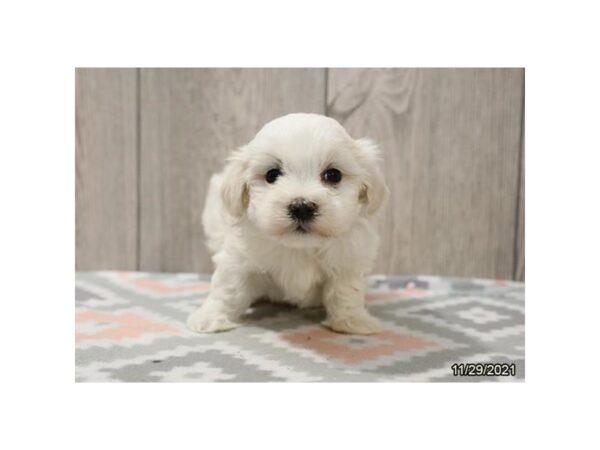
303 179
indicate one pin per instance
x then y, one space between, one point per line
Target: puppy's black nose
302 210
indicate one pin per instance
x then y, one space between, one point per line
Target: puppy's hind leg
230 296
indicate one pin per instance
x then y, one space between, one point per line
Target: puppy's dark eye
272 175
332 176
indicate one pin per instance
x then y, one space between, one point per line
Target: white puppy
291 219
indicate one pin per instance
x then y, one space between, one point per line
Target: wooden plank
450 139
520 250
106 169
190 120
520 238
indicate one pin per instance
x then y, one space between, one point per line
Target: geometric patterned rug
130 327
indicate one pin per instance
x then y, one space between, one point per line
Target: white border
44 41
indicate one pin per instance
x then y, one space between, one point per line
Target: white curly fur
257 250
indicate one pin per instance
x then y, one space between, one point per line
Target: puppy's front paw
355 322
207 321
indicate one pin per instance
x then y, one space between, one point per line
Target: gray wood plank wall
190 119
148 140
106 172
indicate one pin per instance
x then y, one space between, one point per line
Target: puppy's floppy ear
234 188
375 191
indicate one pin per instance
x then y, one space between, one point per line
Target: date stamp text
483 370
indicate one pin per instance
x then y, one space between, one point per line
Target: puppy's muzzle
302 210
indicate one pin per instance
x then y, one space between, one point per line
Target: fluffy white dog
291 219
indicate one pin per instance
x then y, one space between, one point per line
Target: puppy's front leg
231 293
344 301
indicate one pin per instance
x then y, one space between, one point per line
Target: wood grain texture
190 120
106 169
450 139
520 238
520 245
